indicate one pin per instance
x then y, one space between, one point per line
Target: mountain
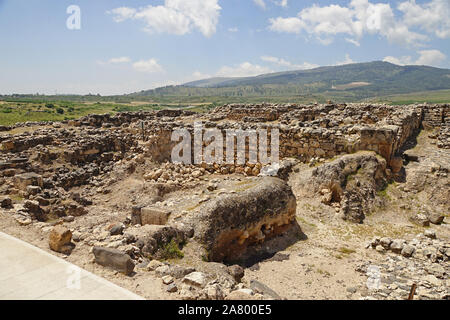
208 83
352 82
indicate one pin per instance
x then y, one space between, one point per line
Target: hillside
347 82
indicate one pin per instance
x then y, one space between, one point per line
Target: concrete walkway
29 273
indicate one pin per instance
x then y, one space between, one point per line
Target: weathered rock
240 294
430 234
407 251
397 245
114 259
153 215
171 288
385 242
153 239
136 215
237 272
21 181
34 209
167 279
268 206
5 202
60 240
352 181
117 229
262 288
420 219
197 279
436 218
154 264
214 292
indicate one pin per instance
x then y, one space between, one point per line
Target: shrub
171 251
60 110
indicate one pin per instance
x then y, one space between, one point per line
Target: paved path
29 273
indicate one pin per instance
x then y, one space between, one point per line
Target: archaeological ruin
103 191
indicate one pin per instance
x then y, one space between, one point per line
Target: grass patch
171 251
346 251
16 197
303 221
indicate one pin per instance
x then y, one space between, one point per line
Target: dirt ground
322 266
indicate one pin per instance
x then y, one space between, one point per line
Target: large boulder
353 181
156 241
22 181
114 259
6 202
60 240
228 224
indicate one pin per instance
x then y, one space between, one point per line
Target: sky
116 47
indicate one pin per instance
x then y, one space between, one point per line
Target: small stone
240 294
196 279
436 218
380 249
5 202
153 265
433 280
386 242
430 234
117 229
60 240
237 272
167 279
172 288
351 290
68 219
397 245
421 220
407 251
114 259
162 271
262 288
214 292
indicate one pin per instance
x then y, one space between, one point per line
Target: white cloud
401 61
285 63
115 61
353 41
260 3
432 17
197 75
347 60
282 3
245 69
430 57
235 29
288 25
119 60
177 17
148 66
426 57
122 13
358 18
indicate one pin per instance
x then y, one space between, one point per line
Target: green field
12 111
438 96
49 108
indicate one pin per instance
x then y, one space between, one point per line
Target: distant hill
207 83
350 82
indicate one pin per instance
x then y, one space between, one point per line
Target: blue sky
126 46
